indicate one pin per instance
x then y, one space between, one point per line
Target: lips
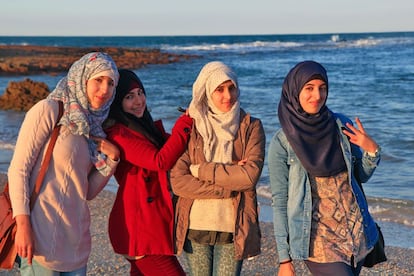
138 111
141 109
102 99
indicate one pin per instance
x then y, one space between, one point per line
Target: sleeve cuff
374 154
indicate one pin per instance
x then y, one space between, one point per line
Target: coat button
147 179
150 199
186 130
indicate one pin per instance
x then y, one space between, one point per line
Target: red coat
142 217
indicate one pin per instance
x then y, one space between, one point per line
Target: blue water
371 76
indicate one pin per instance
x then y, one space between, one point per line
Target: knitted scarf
78 116
218 129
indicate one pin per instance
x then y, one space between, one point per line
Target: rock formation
22 95
18 60
29 60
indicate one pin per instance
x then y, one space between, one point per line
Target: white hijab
218 129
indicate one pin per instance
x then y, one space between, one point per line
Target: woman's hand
242 162
359 137
184 110
104 146
24 238
286 269
194 170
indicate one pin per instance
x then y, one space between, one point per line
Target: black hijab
128 80
313 137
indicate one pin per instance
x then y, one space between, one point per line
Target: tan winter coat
218 181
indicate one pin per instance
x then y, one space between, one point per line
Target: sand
103 261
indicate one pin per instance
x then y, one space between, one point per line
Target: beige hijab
218 129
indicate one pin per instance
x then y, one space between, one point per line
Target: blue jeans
37 269
212 260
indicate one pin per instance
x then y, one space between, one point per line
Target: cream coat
60 217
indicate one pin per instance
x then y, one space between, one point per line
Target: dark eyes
311 88
131 95
221 89
101 80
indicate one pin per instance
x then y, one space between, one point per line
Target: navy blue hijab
313 137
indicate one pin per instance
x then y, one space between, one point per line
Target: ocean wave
237 47
6 146
335 41
249 43
345 41
17 44
355 42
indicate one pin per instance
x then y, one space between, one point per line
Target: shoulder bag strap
46 160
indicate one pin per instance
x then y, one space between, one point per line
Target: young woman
215 179
54 237
320 213
142 218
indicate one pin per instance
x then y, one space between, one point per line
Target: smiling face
99 90
313 95
134 102
224 96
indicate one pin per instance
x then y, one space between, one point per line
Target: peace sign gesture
359 137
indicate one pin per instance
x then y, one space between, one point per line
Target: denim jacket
291 193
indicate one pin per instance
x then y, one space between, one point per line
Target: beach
364 77
103 261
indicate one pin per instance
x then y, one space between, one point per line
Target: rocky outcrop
22 95
21 60
29 60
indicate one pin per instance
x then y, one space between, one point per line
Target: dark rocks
22 95
29 60
17 60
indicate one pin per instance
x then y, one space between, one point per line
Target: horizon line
206 35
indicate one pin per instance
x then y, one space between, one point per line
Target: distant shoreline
33 59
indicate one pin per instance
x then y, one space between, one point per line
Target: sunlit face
224 96
99 90
313 96
134 102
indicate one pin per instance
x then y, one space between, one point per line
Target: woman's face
99 90
224 96
313 96
135 102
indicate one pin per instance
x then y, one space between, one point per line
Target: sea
371 76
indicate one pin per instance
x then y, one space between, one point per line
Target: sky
211 17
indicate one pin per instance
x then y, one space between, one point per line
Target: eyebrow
225 85
309 84
312 84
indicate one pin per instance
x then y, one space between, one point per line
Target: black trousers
337 269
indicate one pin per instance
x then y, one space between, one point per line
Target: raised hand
359 137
